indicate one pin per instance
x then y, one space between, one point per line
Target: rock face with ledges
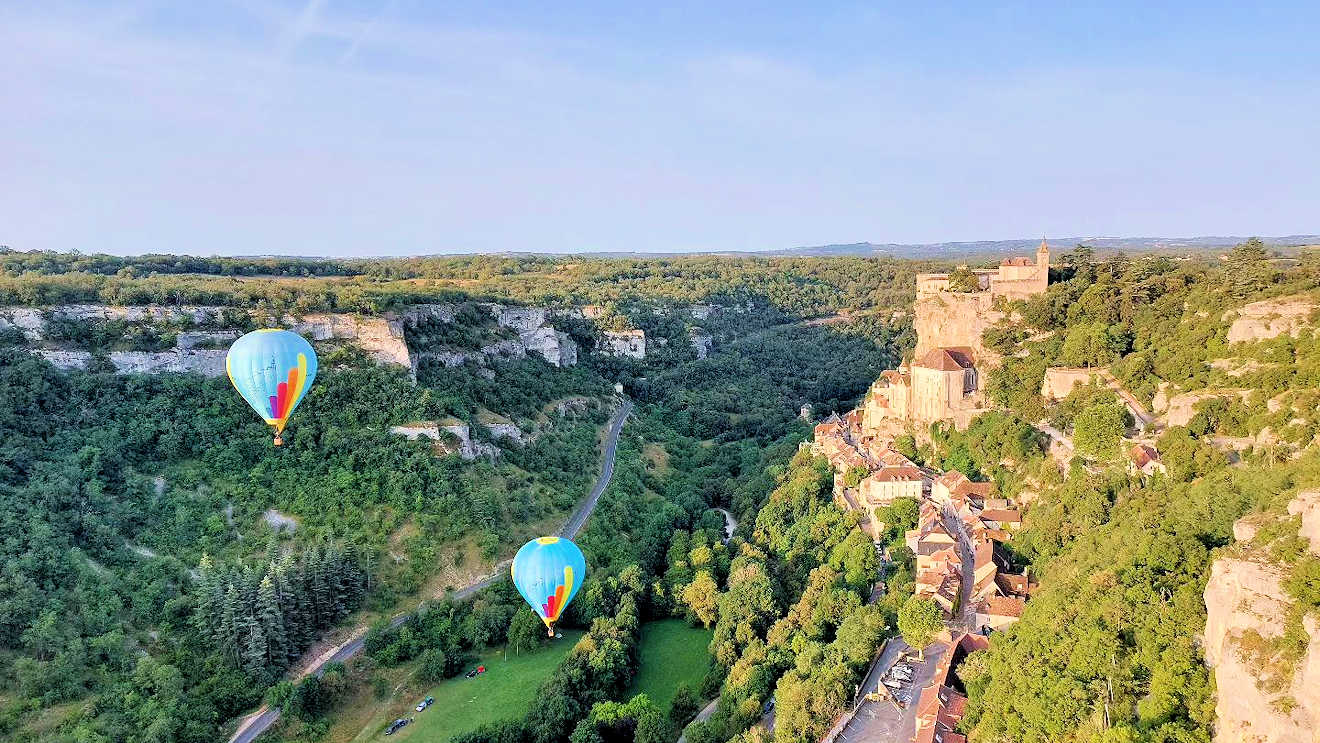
1271 318
381 337
1245 603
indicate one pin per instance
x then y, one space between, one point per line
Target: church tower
1043 263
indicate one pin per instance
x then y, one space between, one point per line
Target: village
958 544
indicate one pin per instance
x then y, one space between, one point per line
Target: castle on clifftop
945 380
1015 278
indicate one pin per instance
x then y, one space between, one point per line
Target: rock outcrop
1307 506
956 320
1181 407
380 336
630 343
459 438
701 343
1271 318
208 363
1262 698
1059 381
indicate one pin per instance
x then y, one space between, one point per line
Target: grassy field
506 690
671 653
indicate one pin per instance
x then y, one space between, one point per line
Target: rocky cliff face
950 319
1271 318
380 336
1262 698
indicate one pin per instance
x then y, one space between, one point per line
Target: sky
397 127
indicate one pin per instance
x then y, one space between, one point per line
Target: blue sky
390 127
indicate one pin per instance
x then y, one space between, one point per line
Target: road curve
260 721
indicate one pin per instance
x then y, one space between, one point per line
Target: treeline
13 263
801 287
263 621
791 620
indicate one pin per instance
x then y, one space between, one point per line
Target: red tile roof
895 474
1002 515
947 359
1002 606
1143 455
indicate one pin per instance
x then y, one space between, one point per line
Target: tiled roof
1002 606
895 474
1142 455
947 359
1002 515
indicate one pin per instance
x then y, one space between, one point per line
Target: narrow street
966 616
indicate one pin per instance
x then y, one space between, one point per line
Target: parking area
886 720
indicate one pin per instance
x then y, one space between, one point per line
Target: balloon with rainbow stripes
272 369
548 572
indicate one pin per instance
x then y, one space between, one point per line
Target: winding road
252 726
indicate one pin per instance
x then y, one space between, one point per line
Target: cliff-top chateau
944 382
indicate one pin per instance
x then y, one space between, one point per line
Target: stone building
1014 278
945 381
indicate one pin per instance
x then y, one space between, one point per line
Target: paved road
730 525
261 720
579 517
966 612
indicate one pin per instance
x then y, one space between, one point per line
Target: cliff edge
1263 650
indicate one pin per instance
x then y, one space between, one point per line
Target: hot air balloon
272 370
548 572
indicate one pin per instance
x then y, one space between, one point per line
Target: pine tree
254 652
271 621
210 599
226 636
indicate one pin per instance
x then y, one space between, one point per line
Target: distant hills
986 248
1018 247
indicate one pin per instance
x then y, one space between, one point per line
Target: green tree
702 598
963 279
433 665
919 621
683 706
1249 268
1098 429
526 632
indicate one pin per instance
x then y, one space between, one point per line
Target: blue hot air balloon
548 572
272 370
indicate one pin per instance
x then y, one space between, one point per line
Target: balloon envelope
548 572
272 370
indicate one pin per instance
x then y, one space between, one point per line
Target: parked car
394 726
427 702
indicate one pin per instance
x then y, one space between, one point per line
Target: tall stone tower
1043 258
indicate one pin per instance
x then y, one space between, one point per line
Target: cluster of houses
941 706
869 475
997 595
868 472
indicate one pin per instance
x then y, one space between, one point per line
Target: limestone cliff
950 319
1264 695
381 336
1270 318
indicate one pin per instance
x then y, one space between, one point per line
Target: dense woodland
140 570
144 596
801 287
